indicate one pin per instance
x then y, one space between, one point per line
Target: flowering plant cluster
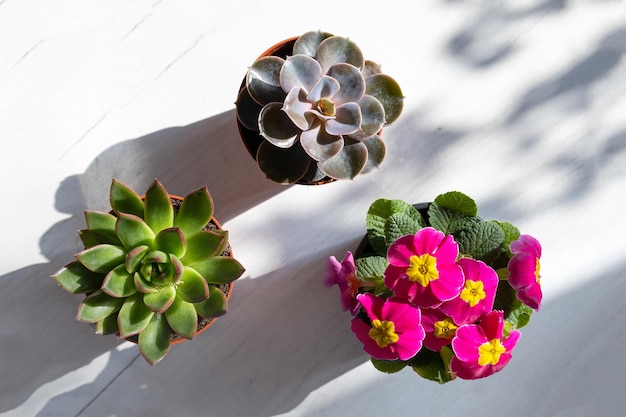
437 288
319 110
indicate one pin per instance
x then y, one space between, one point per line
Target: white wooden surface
520 104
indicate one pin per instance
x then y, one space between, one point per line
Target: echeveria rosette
422 268
149 269
482 349
393 331
322 105
525 270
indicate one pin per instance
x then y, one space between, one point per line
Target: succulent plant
319 111
153 268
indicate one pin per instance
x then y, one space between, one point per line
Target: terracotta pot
252 139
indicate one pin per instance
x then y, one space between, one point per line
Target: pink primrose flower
422 268
480 349
439 328
524 270
478 293
395 331
343 274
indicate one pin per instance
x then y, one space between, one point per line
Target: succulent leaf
325 87
307 43
219 269
299 71
107 325
351 81
97 306
375 153
348 163
103 224
347 120
119 282
195 212
192 286
284 166
159 213
203 245
161 300
101 258
215 306
75 278
263 80
90 239
336 50
134 258
172 241
177 266
154 342
133 231
319 144
142 285
297 107
371 68
248 110
277 127
125 200
134 316
372 120
182 318
388 92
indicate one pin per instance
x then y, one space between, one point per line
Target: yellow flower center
326 107
422 269
473 292
383 333
537 271
445 329
489 352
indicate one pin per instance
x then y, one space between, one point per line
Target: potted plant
436 288
156 270
311 109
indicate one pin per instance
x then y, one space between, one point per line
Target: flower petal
300 71
276 126
347 120
372 118
319 145
351 82
324 87
297 107
526 244
348 163
400 252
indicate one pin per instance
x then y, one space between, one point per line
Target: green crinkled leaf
192 287
160 300
398 225
154 342
97 306
511 233
219 269
102 258
134 316
506 299
133 231
388 92
159 212
195 212
371 267
203 245
75 278
457 202
430 365
103 225
448 221
388 367
108 325
284 166
172 241
119 282
482 240
125 200
519 315
215 306
182 318
376 218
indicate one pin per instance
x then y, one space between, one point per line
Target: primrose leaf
215 306
172 241
159 213
371 267
192 287
482 240
102 258
154 342
203 245
457 202
398 225
182 318
195 212
125 200
160 300
103 225
75 278
119 282
388 367
430 365
511 233
448 221
376 218
219 269
519 315
134 316
97 306
133 231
